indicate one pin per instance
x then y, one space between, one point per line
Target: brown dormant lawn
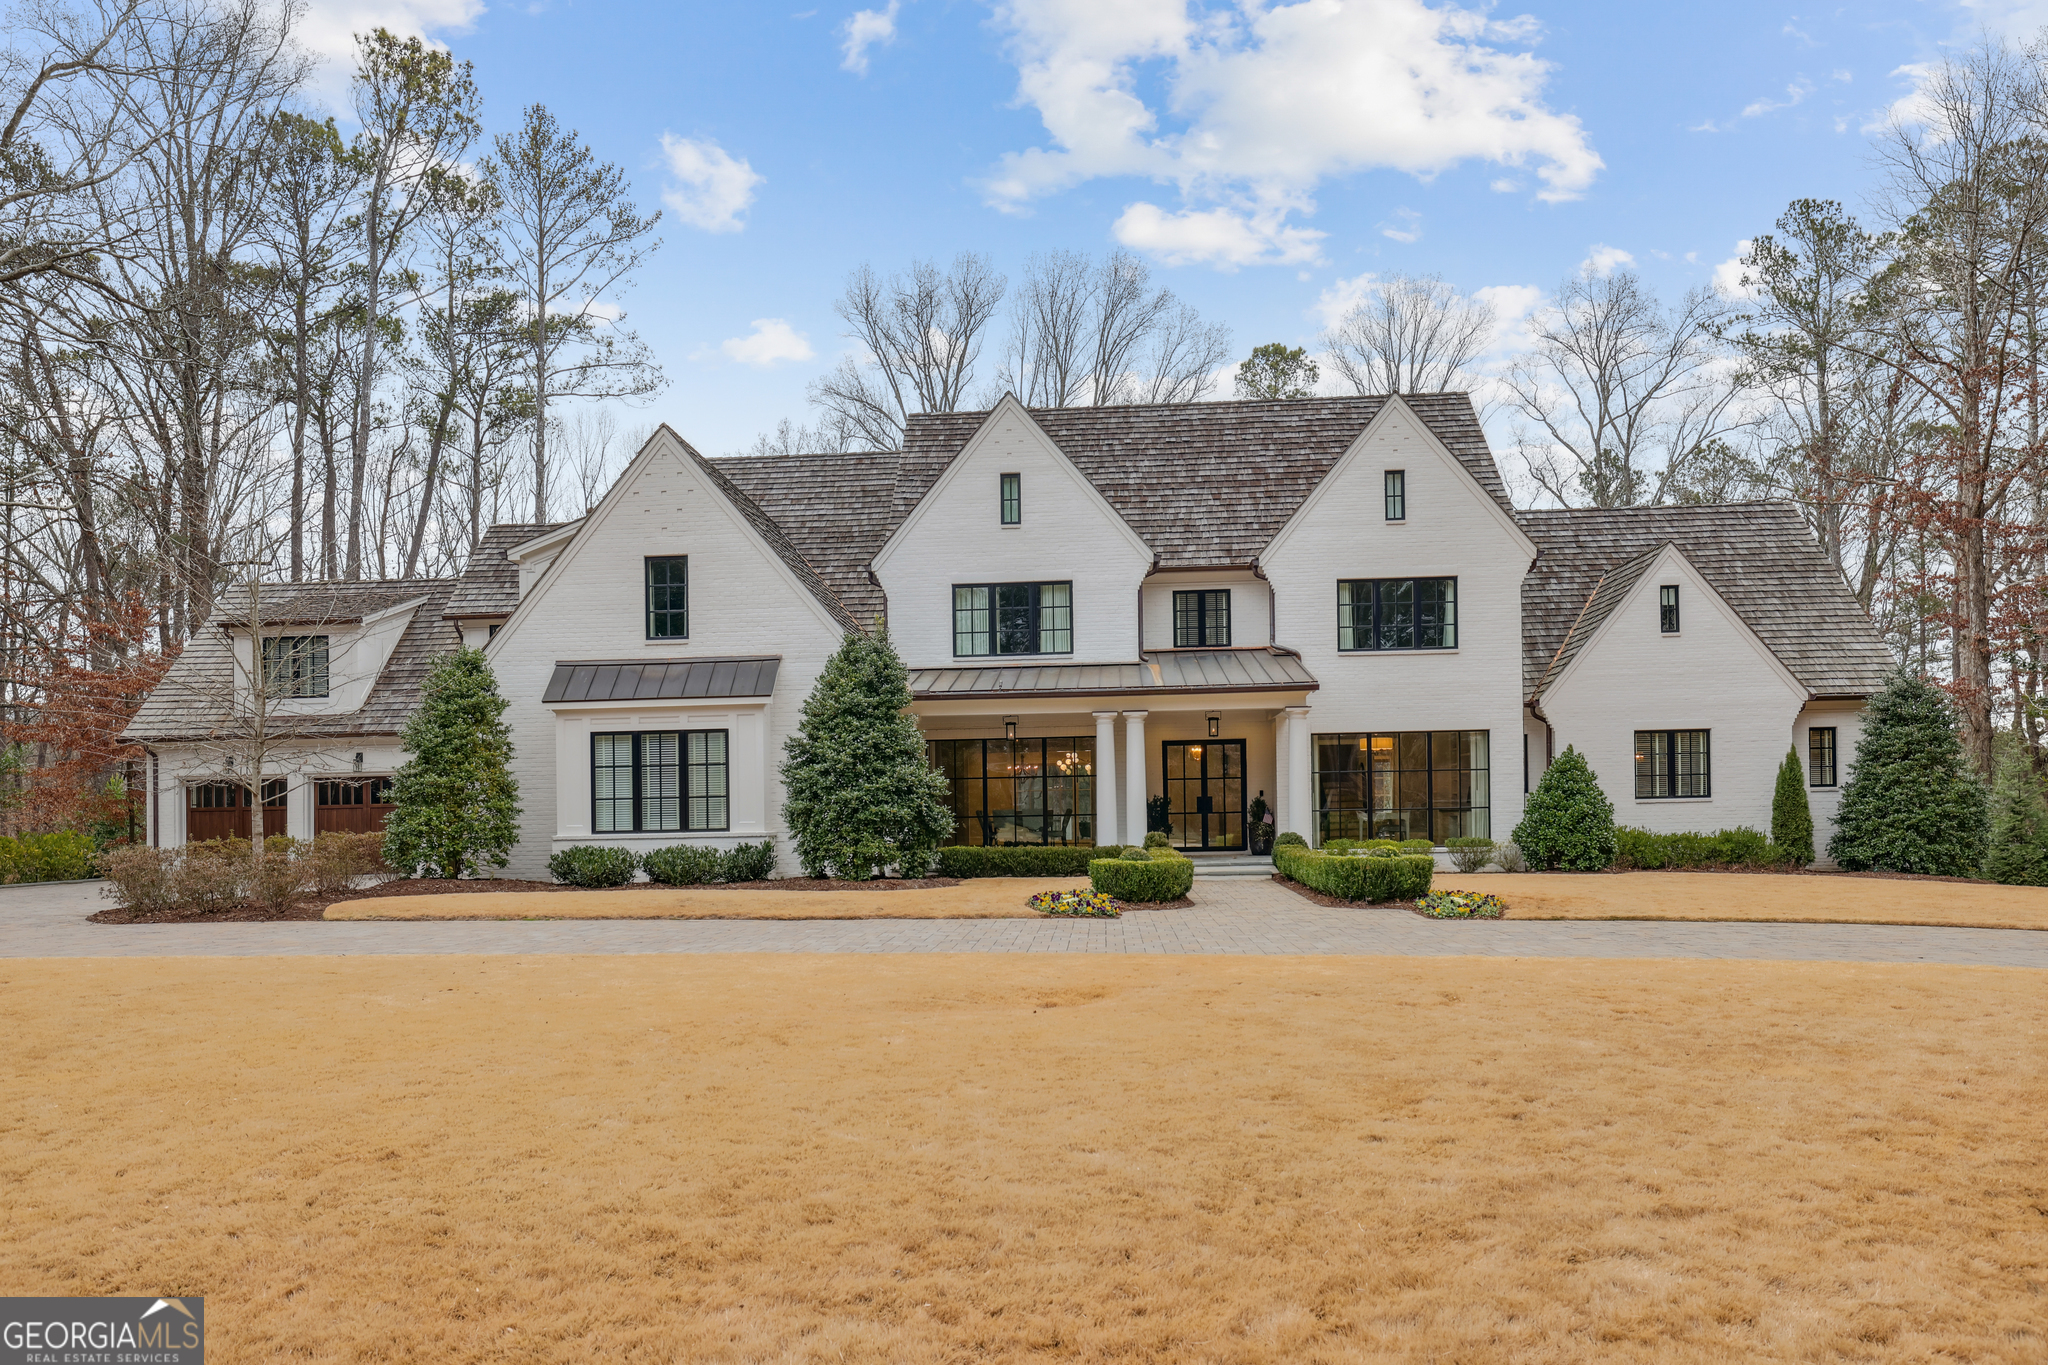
982 898
927 1159
1759 896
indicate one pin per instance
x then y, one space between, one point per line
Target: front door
1204 793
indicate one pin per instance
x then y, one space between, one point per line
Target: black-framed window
1672 763
1667 609
1201 619
1417 784
353 791
1019 791
1013 499
654 781
668 597
1013 618
295 665
1397 613
1820 756
1397 495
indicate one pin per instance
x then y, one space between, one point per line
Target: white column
1106 795
1134 776
1282 803
1300 790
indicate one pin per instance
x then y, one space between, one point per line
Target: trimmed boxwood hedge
682 864
974 860
1164 876
594 865
1402 877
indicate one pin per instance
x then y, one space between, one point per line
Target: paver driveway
1229 917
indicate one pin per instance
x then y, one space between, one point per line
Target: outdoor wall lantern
1215 725
1009 727
359 762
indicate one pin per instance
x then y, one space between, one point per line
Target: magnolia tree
455 802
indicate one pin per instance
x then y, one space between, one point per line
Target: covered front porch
1185 741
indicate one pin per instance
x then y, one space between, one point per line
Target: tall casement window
653 781
668 597
1397 495
295 665
1019 791
1419 784
1667 609
1013 499
1397 613
1201 620
1671 763
1013 618
1820 756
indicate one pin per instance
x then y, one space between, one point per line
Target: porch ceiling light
1009 727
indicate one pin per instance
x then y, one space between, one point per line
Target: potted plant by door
1262 828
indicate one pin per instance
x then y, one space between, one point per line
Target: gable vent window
1201 620
668 597
658 781
1013 618
295 665
1397 613
1671 763
1013 499
1667 609
1397 495
1820 756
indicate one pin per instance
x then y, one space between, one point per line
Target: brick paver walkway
1230 916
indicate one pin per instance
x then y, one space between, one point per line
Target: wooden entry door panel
355 805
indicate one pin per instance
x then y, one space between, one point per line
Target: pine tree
456 801
1569 822
860 795
1791 816
1911 804
2019 823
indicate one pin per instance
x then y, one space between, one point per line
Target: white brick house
1327 602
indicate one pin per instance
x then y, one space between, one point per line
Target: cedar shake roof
1758 555
771 531
1608 592
489 585
191 701
835 509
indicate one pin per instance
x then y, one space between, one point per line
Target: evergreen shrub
2019 823
594 865
455 801
973 860
1377 876
747 862
1911 804
1568 824
62 856
1645 851
682 864
1791 813
1157 839
1416 845
1288 839
1163 876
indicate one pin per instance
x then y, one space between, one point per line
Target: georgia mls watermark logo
139 1331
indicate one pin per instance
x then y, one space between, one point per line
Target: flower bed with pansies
1461 905
1091 904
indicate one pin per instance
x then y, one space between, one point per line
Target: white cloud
328 30
1514 305
1794 93
1728 274
866 28
712 187
1407 226
1914 109
1602 259
1256 105
1341 297
1223 237
1507 184
771 342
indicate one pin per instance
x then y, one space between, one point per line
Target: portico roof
1156 673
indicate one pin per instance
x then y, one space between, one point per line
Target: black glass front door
1204 793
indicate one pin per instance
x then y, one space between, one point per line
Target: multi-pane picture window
1201 619
1671 763
668 597
1013 499
1397 495
1397 613
295 665
653 781
1013 618
1019 791
1820 756
1667 609
1417 784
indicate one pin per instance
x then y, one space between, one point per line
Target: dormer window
1667 609
668 597
1397 495
295 665
1013 618
1013 499
1201 619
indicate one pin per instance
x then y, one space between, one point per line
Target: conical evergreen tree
859 793
2019 823
456 801
1568 824
1911 803
1791 815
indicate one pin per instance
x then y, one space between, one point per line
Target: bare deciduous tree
1085 334
1413 334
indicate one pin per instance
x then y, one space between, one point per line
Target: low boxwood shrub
1288 839
1056 860
682 864
1157 839
747 862
1345 845
1164 876
594 865
1402 876
1416 845
1646 851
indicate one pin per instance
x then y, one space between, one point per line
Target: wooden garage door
353 805
220 810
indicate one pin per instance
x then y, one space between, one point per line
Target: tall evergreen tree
860 794
1912 803
2019 823
1568 824
1791 816
456 801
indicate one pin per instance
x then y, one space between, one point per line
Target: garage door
220 810
354 805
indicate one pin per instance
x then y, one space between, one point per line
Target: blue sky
1263 156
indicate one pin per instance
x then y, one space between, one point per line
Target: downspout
1272 605
869 570
1153 568
156 826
